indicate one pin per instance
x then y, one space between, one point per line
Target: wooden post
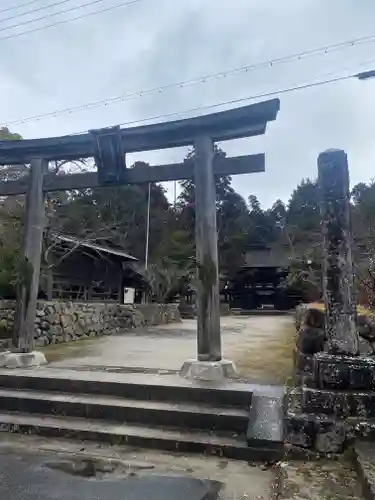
208 307
340 307
23 338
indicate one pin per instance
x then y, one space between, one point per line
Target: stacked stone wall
58 322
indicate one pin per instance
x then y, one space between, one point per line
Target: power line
44 7
182 114
64 21
242 99
53 14
14 7
185 83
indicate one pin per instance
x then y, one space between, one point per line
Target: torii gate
108 147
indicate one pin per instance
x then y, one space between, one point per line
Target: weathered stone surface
22 360
41 342
340 308
330 436
321 433
310 339
365 347
339 404
210 371
188 311
310 315
65 321
299 431
303 363
344 372
366 326
5 327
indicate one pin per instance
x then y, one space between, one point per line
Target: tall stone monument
335 401
339 301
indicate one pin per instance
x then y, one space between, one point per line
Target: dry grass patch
272 360
66 350
362 311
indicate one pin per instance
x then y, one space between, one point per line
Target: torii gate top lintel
245 121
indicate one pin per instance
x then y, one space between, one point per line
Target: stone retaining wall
59 322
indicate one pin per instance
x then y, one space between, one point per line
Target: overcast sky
156 42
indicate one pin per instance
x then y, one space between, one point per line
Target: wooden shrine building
86 271
261 281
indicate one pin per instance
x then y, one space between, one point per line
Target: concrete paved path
30 477
34 468
167 347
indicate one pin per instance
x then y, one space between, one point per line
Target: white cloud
156 42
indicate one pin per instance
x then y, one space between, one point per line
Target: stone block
330 436
365 347
318 432
55 330
365 327
54 319
344 372
210 371
66 320
340 404
50 311
310 339
299 430
41 341
22 360
3 324
303 363
68 330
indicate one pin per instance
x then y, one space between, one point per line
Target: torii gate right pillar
209 365
208 301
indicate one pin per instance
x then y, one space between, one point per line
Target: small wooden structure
87 271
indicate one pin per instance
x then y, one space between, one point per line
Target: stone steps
142 387
266 423
163 412
229 446
188 415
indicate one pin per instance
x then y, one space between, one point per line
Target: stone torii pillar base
208 371
32 359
